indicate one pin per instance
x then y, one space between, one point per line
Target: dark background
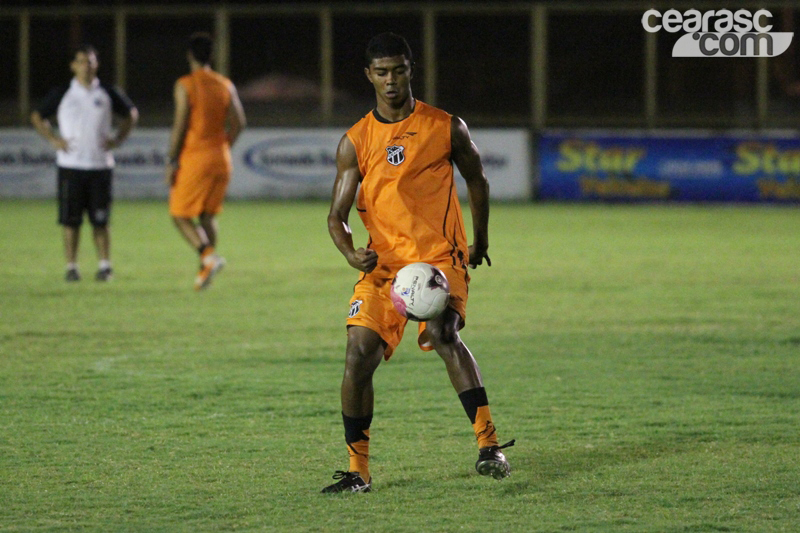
595 64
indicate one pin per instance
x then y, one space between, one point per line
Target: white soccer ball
420 292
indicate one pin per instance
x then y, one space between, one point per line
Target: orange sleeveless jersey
205 160
407 199
209 97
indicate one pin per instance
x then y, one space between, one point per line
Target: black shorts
84 190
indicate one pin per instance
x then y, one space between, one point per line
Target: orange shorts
200 184
371 305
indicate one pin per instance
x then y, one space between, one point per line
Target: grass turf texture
644 357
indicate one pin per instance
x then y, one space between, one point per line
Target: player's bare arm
180 124
348 177
468 160
45 129
124 128
236 120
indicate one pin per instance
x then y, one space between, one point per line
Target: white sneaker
212 264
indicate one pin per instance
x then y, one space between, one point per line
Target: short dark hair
387 44
200 45
85 48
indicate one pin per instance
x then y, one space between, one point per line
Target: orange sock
359 456
206 251
356 435
476 405
484 428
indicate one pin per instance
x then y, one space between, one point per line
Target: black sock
354 428
471 400
356 435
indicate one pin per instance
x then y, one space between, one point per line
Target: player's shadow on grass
401 483
534 471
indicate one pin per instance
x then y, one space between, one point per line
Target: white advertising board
268 163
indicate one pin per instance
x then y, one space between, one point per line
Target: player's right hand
364 259
477 255
60 144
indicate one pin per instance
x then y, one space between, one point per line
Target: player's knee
180 221
442 335
364 353
358 375
359 367
444 331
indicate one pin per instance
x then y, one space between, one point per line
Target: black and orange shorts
371 305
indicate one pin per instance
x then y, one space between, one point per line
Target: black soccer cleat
492 462
72 275
348 482
104 274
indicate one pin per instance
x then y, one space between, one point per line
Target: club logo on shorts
395 154
355 307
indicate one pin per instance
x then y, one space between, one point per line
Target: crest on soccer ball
355 307
395 154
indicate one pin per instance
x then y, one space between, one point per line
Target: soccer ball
420 292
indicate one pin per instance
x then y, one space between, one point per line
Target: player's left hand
477 256
364 259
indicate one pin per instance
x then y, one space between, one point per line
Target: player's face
84 66
391 77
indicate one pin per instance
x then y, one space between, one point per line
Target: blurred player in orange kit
396 165
208 119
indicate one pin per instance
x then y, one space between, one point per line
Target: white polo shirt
84 120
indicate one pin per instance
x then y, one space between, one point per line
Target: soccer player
401 155
84 109
208 119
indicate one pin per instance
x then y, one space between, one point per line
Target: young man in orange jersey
208 119
401 155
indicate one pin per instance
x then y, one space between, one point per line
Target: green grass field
646 359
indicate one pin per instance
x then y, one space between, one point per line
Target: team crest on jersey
395 154
355 307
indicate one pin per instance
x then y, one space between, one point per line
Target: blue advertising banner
578 165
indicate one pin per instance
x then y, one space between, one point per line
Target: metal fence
533 64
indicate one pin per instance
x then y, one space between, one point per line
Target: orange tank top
407 198
209 97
